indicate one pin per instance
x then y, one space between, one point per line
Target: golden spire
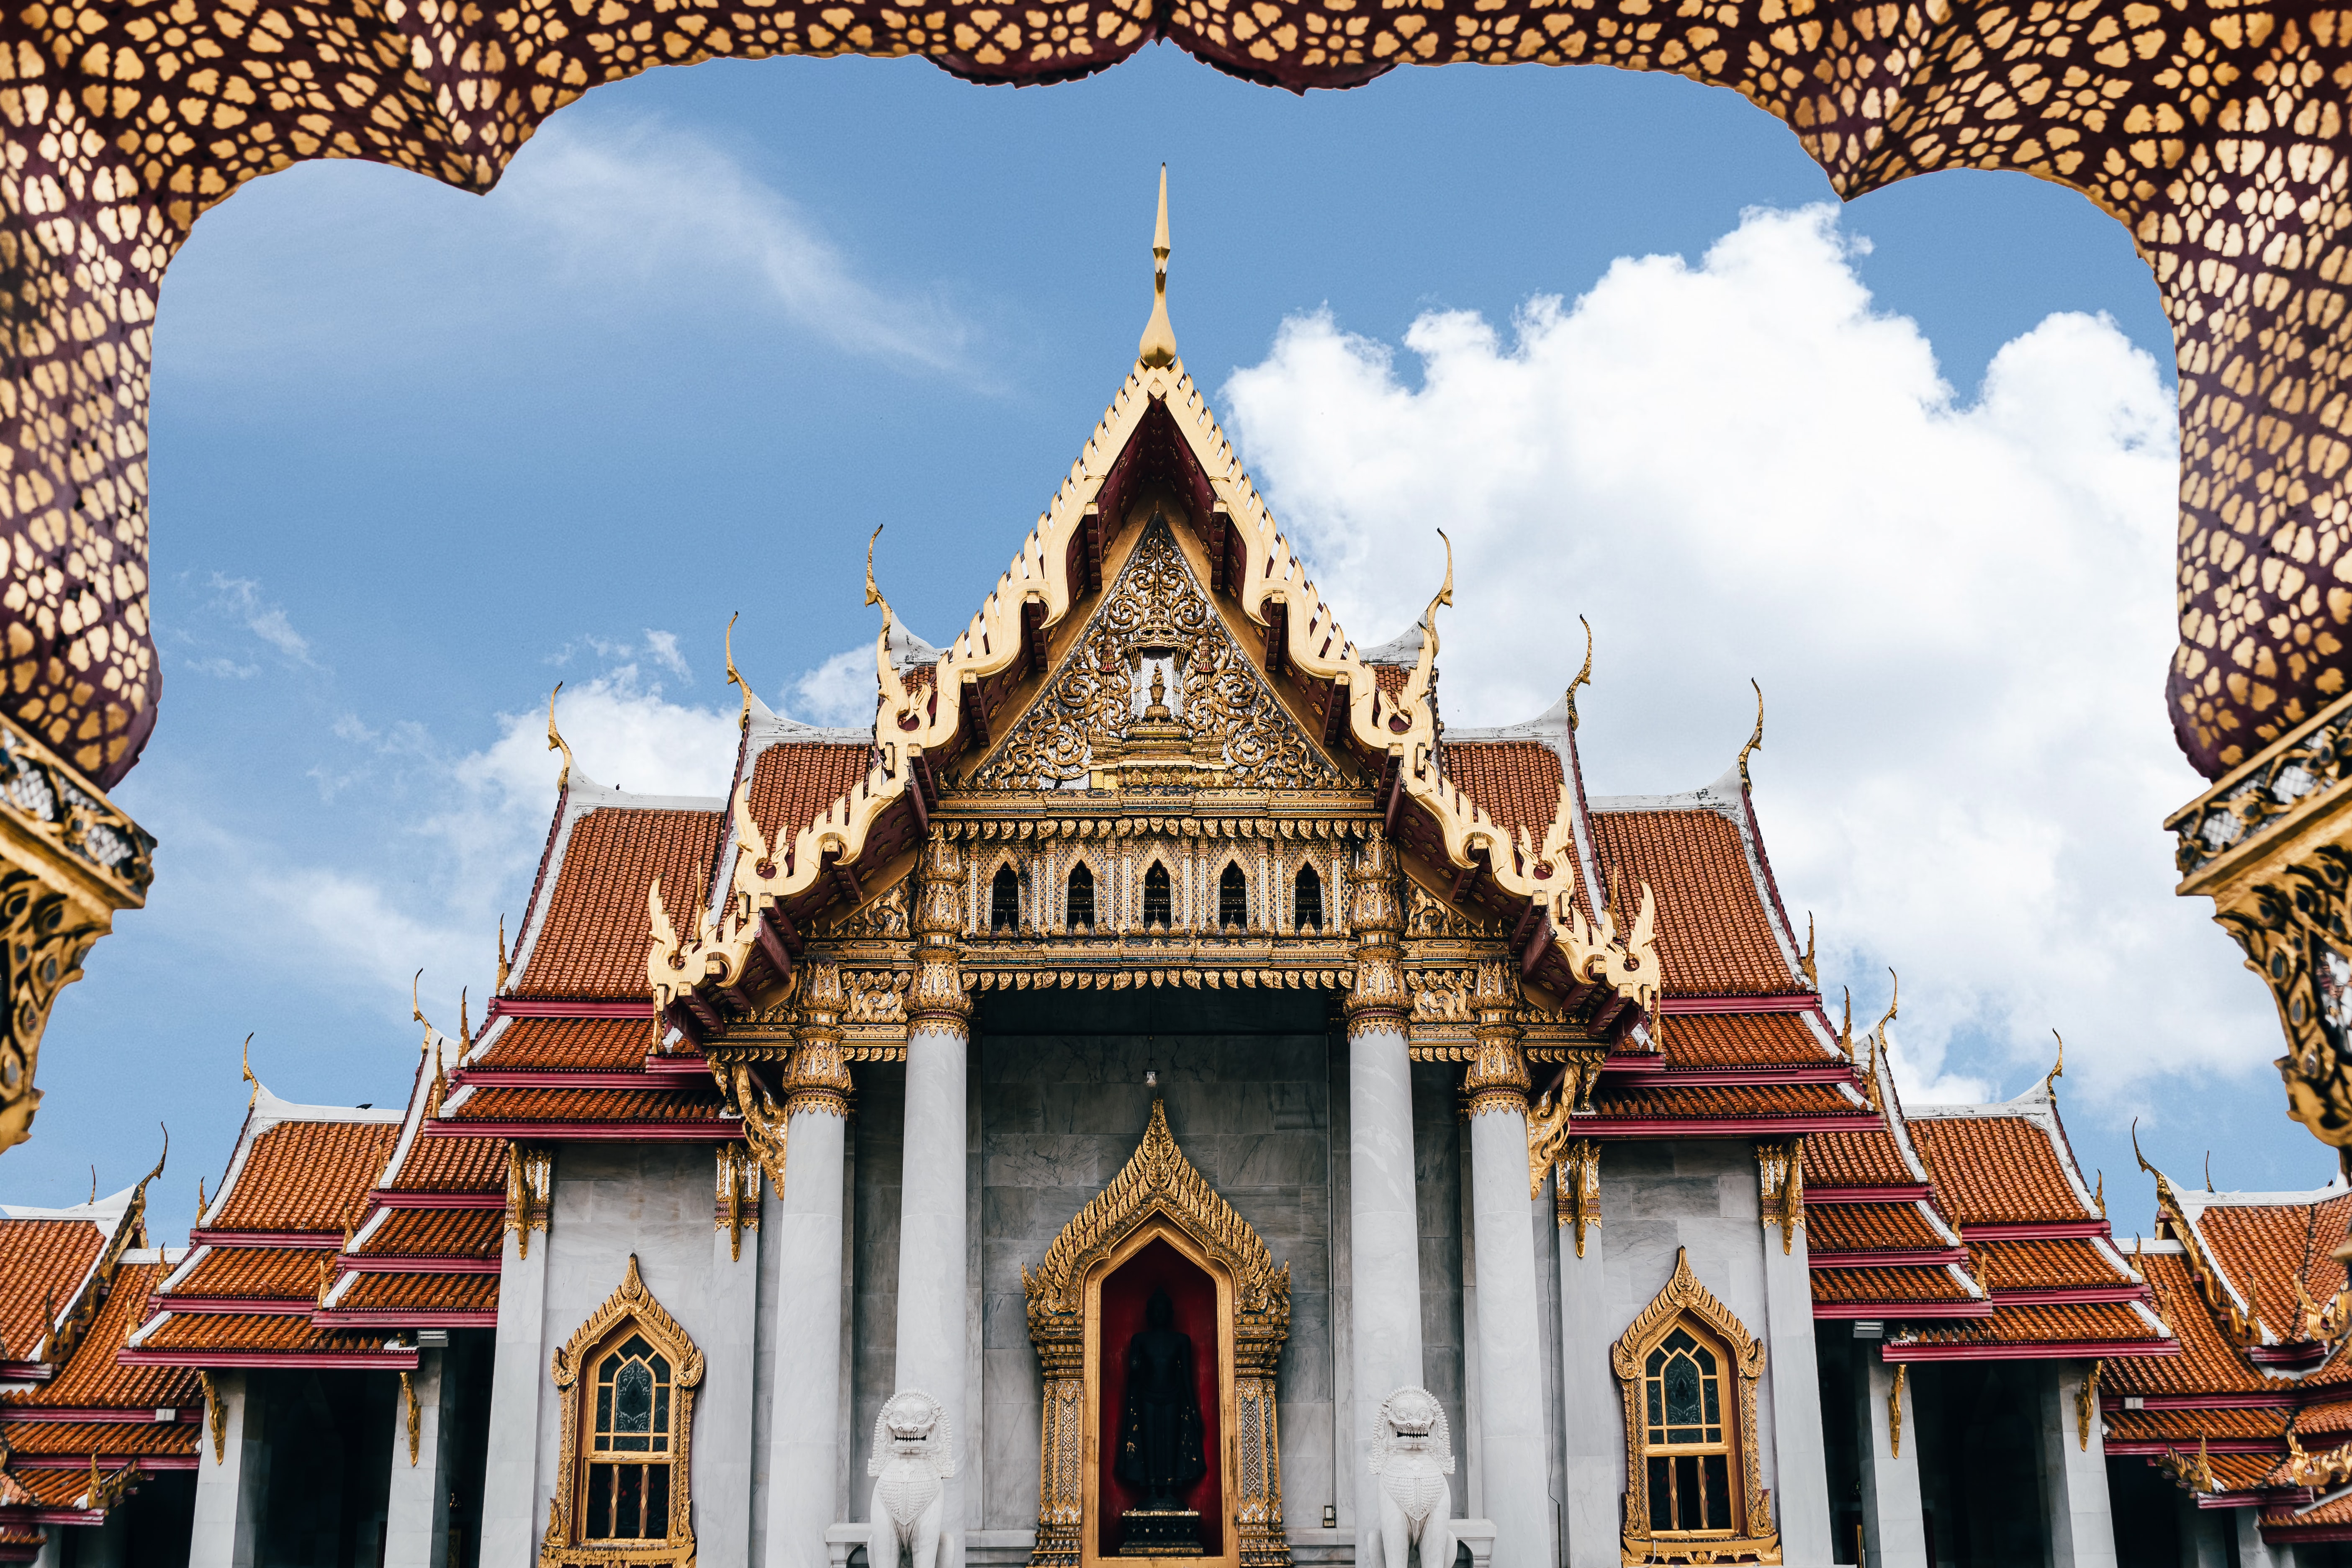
2058 1070
734 679
555 743
1158 348
1756 740
245 1070
1584 676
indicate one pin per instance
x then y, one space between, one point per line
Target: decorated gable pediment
1156 692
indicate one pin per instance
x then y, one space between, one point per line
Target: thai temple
1160 1091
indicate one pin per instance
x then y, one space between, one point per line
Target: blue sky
419 455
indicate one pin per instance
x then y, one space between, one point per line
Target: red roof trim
26 1371
311 1239
1890 1257
1792 1002
2036 1230
2154 1447
1634 1061
2049 1349
1829 1197
1900 1310
190 1416
536 1078
699 1132
560 1007
1714 1127
386 1361
385 1200
389 1319
395 1263
265 1306
1713 1078
81 1462
2072 1295
2114 1402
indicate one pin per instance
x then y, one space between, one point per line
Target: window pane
1081 910
1306 908
1232 898
633 1406
1713 1408
1158 908
635 1350
1662 1496
1719 1492
1680 1340
605 1409
629 1501
1681 1393
599 1502
1658 1362
1687 1514
656 1502
1005 900
661 1418
1657 1412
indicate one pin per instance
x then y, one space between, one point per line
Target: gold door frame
1159 1228
1158 1192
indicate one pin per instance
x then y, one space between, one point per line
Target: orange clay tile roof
2331 1421
53 1489
569 1045
587 1105
2338 1512
2167 1426
2042 1265
195 1332
2206 1365
1726 1100
263 1273
1908 1282
17 1535
421 1293
42 1262
93 1379
1714 936
2265 1248
1868 1228
792 783
1862 1157
1744 1040
1995 1170
2043 1325
307 1175
593 934
1517 782
2238 1472
438 1233
112 1440
1391 678
453 1165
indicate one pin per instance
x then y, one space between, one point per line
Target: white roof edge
105 1212
2334 1189
1550 724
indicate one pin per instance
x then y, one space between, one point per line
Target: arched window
1004 901
629 1445
627 1379
1689 1462
1233 896
1079 910
1306 900
1158 908
1689 1369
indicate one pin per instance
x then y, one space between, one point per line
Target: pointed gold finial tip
1158 348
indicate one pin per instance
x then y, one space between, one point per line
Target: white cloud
839 692
1957 611
241 598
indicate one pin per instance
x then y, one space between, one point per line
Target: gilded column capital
1498 1078
817 1076
1377 1000
936 1000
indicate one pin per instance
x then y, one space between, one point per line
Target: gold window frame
631 1306
1752 1538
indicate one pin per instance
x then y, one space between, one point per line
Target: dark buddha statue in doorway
1160 1438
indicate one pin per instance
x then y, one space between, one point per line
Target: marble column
1383 1229
2075 1471
417 1504
805 1318
1801 1490
232 1477
514 1509
723 1412
1594 1427
1516 1470
1893 1522
2253 1551
934 1309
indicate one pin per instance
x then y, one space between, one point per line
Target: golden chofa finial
555 740
1158 348
1756 739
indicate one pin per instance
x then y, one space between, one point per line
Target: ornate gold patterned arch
1685 1298
632 1305
1159 1191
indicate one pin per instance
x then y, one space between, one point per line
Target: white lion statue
914 1452
1412 1456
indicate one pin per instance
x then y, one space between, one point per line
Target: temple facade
1159 1091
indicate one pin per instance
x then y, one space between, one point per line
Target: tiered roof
79 1431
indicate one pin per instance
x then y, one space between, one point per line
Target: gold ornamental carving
69 860
817 1077
1780 1186
1159 1194
1377 1000
632 1305
736 1208
1213 718
936 1000
530 1192
1497 1080
1753 1540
